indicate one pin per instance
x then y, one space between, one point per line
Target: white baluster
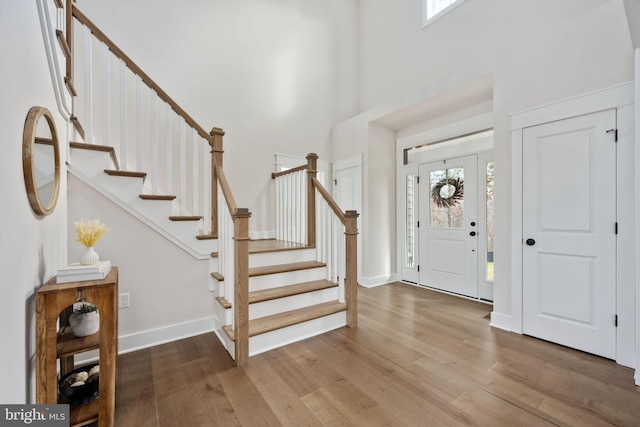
168 139
195 157
154 143
124 165
278 208
88 86
139 125
183 168
106 95
207 227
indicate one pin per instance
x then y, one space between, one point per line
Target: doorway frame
452 130
621 98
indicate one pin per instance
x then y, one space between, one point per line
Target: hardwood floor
417 358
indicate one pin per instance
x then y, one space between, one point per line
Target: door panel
569 242
449 225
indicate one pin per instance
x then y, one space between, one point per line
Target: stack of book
78 273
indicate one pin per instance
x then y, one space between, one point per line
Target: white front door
569 240
449 229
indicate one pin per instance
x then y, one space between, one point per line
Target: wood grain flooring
417 358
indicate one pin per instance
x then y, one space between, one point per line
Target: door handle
473 233
530 242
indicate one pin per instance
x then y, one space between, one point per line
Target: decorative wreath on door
448 192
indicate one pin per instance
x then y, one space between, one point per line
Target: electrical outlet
123 301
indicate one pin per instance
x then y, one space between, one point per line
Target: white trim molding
372 282
501 321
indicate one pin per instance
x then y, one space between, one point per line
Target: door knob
530 242
473 233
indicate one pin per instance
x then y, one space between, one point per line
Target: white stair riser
224 338
269 281
281 257
280 337
90 162
268 308
126 188
222 315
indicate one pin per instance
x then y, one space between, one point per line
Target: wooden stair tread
284 268
156 197
289 290
185 218
93 147
223 302
289 318
206 236
131 174
219 277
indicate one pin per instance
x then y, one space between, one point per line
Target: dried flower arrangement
89 232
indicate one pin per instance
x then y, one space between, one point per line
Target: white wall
526 53
168 288
276 75
31 248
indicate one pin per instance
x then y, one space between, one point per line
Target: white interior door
449 228
347 192
569 241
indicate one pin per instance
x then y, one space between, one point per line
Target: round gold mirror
41 160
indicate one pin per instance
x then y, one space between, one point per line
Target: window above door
434 9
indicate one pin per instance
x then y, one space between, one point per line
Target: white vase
90 256
84 324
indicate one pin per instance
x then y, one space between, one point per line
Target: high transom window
435 8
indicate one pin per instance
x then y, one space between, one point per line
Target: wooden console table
53 302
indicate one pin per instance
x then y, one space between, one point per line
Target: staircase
153 161
289 297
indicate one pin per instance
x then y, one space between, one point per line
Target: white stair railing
307 214
119 105
291 199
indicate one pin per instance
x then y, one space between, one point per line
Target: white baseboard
153 337
500 321
141 340
371 282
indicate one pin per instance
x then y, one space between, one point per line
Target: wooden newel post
312 172
351 272
216 161
241 297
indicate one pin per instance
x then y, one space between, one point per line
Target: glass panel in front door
489 214
410 210
446 198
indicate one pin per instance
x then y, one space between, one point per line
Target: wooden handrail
275 175
327 197
226 190
82 18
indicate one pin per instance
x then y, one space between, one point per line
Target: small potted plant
85 319
88 233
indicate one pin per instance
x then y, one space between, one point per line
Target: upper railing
119 105
123 107
307 214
